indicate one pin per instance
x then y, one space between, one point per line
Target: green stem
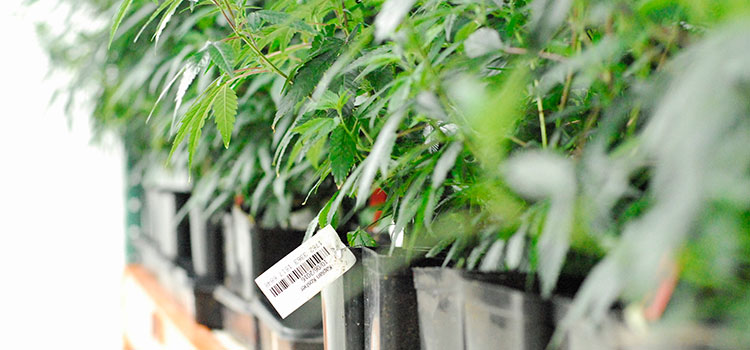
542 121
250 42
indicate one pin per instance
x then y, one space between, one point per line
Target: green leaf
153 16
445 163
308 75
315 153
323 215
165 19
124 6
195 65
255 20
222 56
360 238
192 123
379 157
329 100
225 109
390 17
198 121
342 153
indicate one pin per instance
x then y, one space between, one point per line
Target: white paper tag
305 271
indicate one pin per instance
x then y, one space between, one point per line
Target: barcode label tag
305 271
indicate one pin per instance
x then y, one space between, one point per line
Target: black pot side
167 249
257 327
480 311
207 256
390 300
343 309
250 251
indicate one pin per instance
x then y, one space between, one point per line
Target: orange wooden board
154 320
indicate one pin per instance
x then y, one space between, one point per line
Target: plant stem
411 130
367 136
252 72
250 42
569 76
542 121
543 54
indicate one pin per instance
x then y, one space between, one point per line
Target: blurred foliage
507 134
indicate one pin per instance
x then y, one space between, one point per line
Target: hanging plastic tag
305 271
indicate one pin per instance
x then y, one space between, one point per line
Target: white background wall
61 208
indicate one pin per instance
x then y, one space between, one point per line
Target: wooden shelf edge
169 310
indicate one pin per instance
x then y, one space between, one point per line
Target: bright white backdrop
61 207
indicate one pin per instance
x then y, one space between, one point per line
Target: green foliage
124 6
342 154
360 238
506 134
225 109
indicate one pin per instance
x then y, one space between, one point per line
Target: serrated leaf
315 152
124 6
360 238
445 163
342 153
307 77
379 156
222 56
189 72
323 215
153 16
192 123
165 19
198 121
329 100
225 109
312 126
164 92
255 20
344 191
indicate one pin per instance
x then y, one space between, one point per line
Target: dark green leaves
256 20
193 121
222 56
360 238
308 75
124 6
342 154
225 109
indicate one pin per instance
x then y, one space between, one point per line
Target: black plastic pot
374 305
257 327
162 223
344 309
250 251
440 305
206 247
481 311
390 300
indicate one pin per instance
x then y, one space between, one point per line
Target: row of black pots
374 304
178 247
383 302
249 251
209 265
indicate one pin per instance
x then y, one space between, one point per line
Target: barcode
299 271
